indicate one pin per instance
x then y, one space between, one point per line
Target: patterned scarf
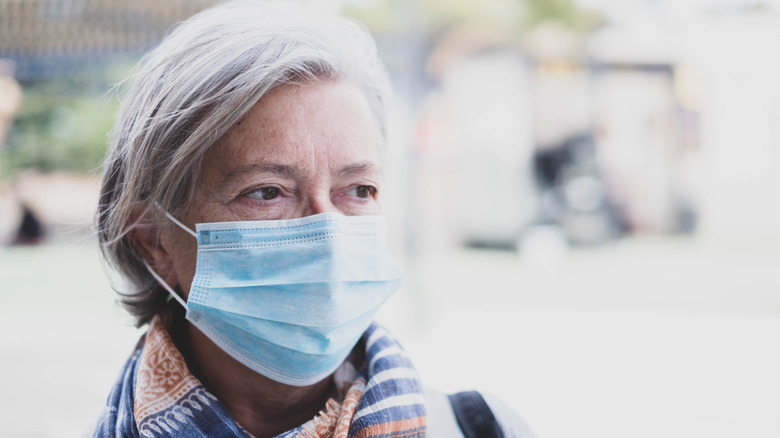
157 396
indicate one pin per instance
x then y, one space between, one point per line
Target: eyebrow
291 172
357 169
276 169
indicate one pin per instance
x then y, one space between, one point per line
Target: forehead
293 122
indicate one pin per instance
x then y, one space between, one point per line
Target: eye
363 191
264 193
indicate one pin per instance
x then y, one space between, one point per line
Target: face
301 150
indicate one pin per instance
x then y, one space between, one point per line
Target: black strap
474 416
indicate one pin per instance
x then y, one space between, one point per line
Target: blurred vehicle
574 195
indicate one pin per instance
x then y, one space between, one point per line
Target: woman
241 199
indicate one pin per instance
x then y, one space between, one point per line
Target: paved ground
647 338
644 338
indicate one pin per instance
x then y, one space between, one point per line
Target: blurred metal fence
45 37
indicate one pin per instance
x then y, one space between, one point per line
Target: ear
146 238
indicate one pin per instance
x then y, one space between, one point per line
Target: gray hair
186 93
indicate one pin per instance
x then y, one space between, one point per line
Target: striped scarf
157 396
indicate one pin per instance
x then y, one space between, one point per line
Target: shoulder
444 412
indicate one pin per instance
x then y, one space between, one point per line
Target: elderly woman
240 201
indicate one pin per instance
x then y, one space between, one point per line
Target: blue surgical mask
289 298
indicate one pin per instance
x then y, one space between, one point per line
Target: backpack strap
474 416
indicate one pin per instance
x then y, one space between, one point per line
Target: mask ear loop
177 222
181 225
165 285
157 276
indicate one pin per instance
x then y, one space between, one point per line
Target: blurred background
583 194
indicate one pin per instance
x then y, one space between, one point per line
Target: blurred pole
409 50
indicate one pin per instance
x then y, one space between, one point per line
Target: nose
320 203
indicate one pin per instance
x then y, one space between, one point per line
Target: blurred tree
511 17
561 12
502 15
62 124
385 16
